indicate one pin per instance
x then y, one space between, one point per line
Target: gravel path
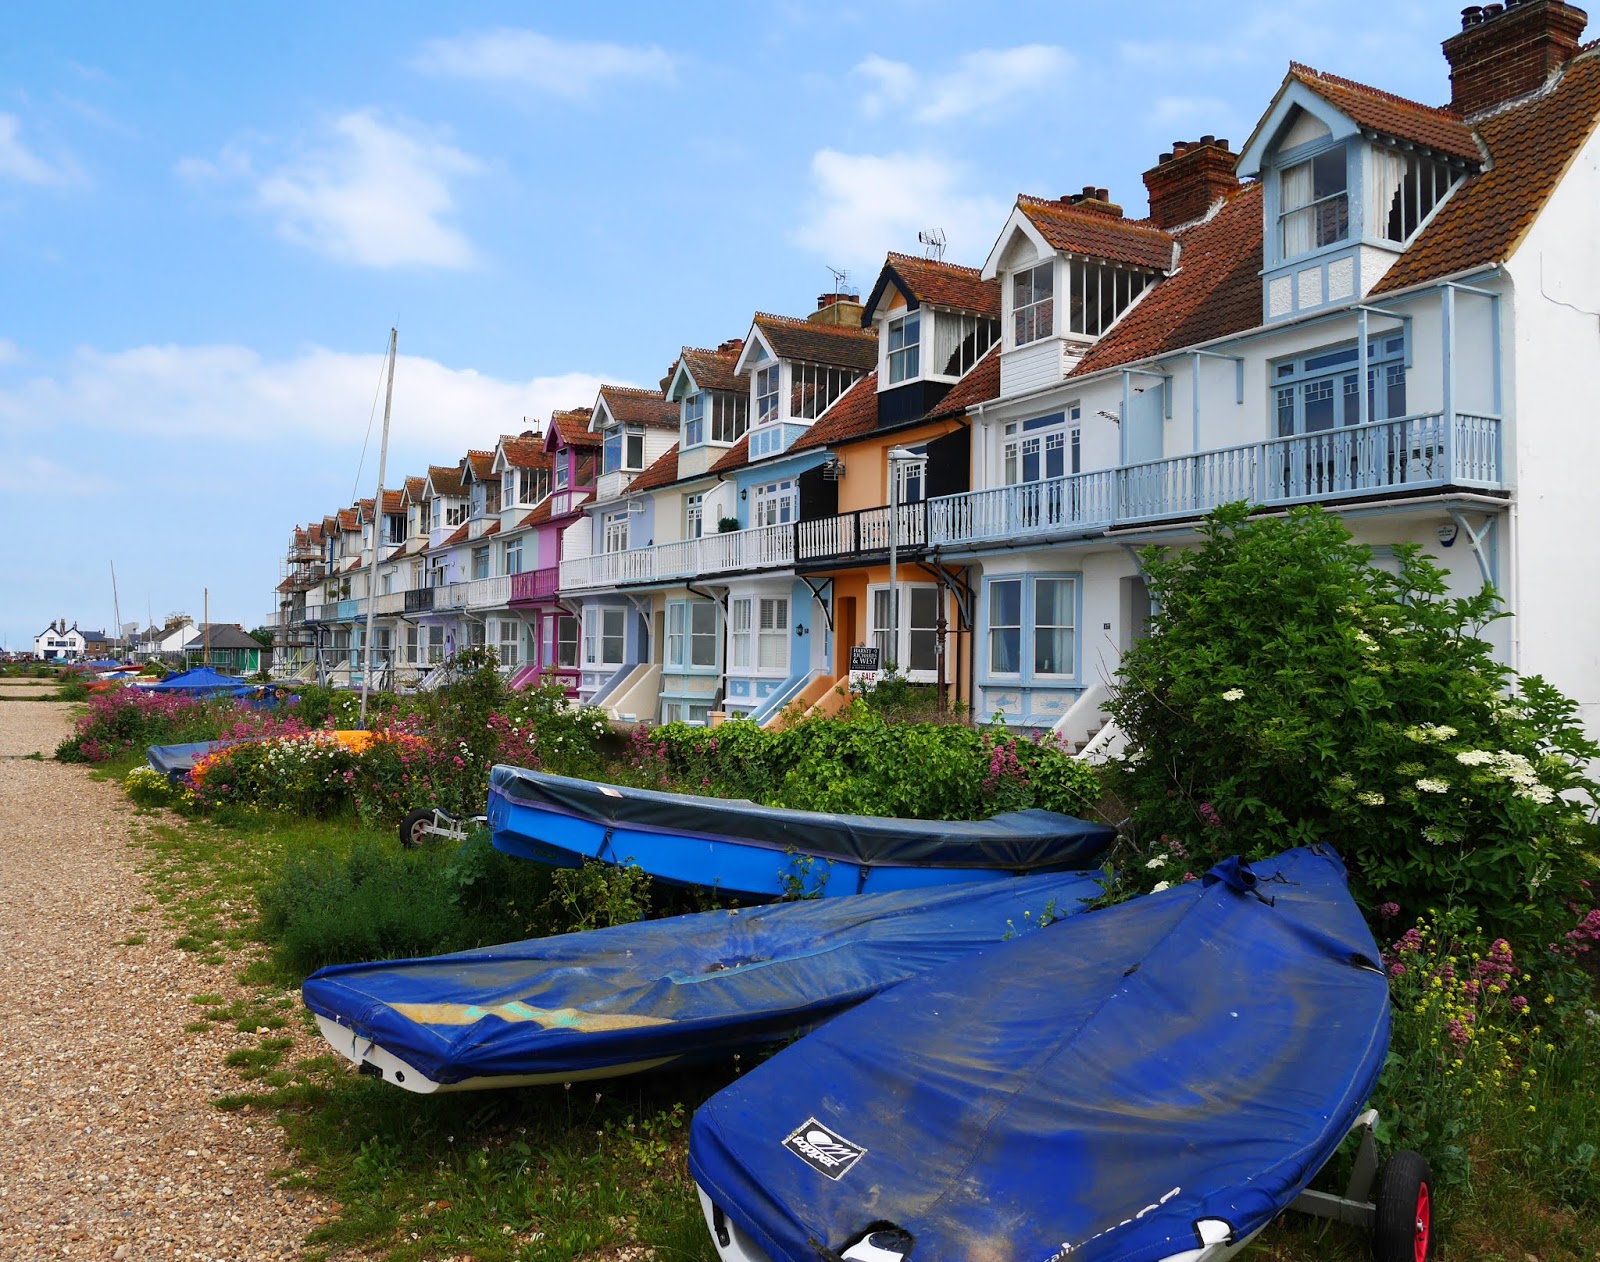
109 1146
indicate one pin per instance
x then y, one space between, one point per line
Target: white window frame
694 506
775 504
903 347
597 633
741 636
906 629
511 556
481 564
768 386
614 537
1328 215
694 419
567 645
1027 629
1034 319
1040 438
510 642
772 635
911 476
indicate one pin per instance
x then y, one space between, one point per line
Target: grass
592 1169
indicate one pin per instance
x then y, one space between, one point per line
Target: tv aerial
841 281
932 240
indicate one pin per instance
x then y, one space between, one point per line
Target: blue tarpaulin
1088 1091
697 985
176 761
203 680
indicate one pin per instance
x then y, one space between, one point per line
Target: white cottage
59 643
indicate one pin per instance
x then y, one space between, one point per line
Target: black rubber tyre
1402 1230
414 829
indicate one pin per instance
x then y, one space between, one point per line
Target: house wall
865 483
1555 277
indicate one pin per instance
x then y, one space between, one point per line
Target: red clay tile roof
713 370
1098 235
525 453
314 534
736 457
459 534
662 473
1532 144
853 414
415 487
631 406
942 284
1215 291
1436 128
364 509
446 479
492 529
836 344
571 428
980 385
482 464
349 519
393 501
540 514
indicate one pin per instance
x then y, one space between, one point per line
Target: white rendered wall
1555 276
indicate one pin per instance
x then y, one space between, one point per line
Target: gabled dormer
1350 175
713 404
523 466
935 321
635 428
416 509
1069 269
482 485
797 369
575 459
445 497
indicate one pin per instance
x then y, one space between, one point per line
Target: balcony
1410 454
391 603
489 593
536 585
737 551
419 599
863 531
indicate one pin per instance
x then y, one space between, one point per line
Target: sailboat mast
116 610
377 523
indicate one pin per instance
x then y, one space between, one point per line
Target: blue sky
211 215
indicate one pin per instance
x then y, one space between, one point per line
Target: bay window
1032 627
1314 202
730 416
604 636
767 389
1033 303
916 656
691 634
1098 294
739 620
623 449
903 346
694 420
960 341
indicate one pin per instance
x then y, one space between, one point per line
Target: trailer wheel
1403 1226
414 829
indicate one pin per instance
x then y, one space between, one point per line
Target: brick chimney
837 308
1187 182
1095 199
1505 51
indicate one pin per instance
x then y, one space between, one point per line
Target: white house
59 643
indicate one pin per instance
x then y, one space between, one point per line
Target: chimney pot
1493 10
1208 140
1505 51
1088 191
1102 194
1164 158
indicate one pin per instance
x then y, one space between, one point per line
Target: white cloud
10 352
25 474
18 162
532 62
1189 116
317 399
978 83
867 204
366 192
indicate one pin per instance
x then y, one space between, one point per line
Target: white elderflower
1427 785
1159 886
1233 694
1370 799
1154 863
1474 757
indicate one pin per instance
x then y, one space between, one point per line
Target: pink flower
1389 910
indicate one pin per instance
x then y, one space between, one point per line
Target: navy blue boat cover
1017 841
174 761
707 983
1087 1091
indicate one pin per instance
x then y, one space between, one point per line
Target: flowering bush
129 719
1293 692
307 773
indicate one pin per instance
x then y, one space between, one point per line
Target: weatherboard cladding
836 344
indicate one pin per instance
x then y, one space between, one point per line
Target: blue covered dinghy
614 1001
176 761
1151 1081
749 851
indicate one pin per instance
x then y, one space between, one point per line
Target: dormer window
480 499
730 416
1033 303
904 344
694 420
1405 187
562 471
815 388
624 450
1099 295
767 390
960 341
525 487
1314 202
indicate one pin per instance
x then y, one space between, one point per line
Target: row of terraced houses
1381 306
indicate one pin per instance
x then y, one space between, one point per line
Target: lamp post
896 457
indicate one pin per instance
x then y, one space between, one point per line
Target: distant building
59 643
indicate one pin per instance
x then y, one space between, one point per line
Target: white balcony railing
391 602
489 593
762 547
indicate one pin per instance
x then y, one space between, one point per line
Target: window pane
1005 650
1005 603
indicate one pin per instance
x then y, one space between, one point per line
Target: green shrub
1293 692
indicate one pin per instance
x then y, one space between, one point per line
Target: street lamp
896 457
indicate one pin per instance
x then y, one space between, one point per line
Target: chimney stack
837 308
1095 199
1505 51
1187 182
